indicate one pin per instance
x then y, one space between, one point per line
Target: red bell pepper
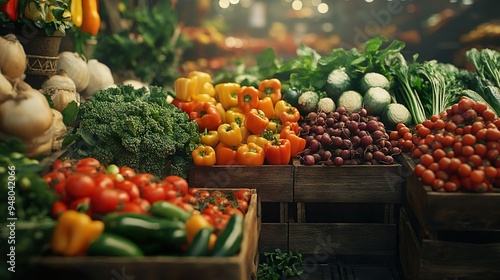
248 98
297 143
11 9
278 152
206 116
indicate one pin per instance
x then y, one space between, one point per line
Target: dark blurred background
221 30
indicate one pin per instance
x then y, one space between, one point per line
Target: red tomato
193 191
57 208
54 178
233 211
107 200
142 203
61 165
202 195
127 172
243 205
129 187
152 193
79 185
243 194
80 204
123 196
88 162
188 198
131 207
170 194
180 184
103 181
142 179
85 169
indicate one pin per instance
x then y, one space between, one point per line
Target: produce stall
122 157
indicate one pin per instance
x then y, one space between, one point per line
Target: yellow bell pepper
244 133
210 138
76 9
267 106
203 78
281 107
227 93
230 134
233 116
222 112
208 88
259 140
203 156
74 232
273 125
203 97
184 88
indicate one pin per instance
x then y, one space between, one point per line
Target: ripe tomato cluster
456 151
90 187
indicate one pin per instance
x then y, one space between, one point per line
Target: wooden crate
274 226
448 256
346 210
242 266
448 235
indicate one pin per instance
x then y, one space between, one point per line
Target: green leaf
70 113
374 44
69 139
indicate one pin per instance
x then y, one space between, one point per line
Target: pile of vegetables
341 137
25 113
239 124
457 150
136 128
114 211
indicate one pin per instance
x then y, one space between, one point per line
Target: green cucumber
199 246
169 210
142 228
109 244
228 242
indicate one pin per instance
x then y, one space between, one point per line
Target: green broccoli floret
125 126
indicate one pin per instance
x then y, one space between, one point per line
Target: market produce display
112 211
244 125
457 150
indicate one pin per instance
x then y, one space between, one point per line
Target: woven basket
41 65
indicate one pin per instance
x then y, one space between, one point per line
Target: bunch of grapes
341 137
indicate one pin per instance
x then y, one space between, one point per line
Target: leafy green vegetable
487 63
280 265
124 126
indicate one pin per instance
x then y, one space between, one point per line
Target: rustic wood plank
451 211
273 183
326 240
371 183
273 236
301 212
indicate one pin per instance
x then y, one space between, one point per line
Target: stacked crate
274 184
346 210
448 235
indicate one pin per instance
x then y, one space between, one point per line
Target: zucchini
169 210
228 242
109 244
199 246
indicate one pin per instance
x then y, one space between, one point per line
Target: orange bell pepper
297 143
278 151
225 155
255 121
91 21
250 154
290 115
270 88
206 116
248 98
203 156
267 106
230 134
244 134
227 93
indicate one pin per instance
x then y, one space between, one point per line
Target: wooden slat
273 236
330 239
370 183
274 183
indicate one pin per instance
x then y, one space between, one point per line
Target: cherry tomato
81 204
152 193
130 188
193 191
127 172
188 198
243 194
243 205
103 181
180 184
57 208
104 201
88 162
79 185
233 211
202 195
